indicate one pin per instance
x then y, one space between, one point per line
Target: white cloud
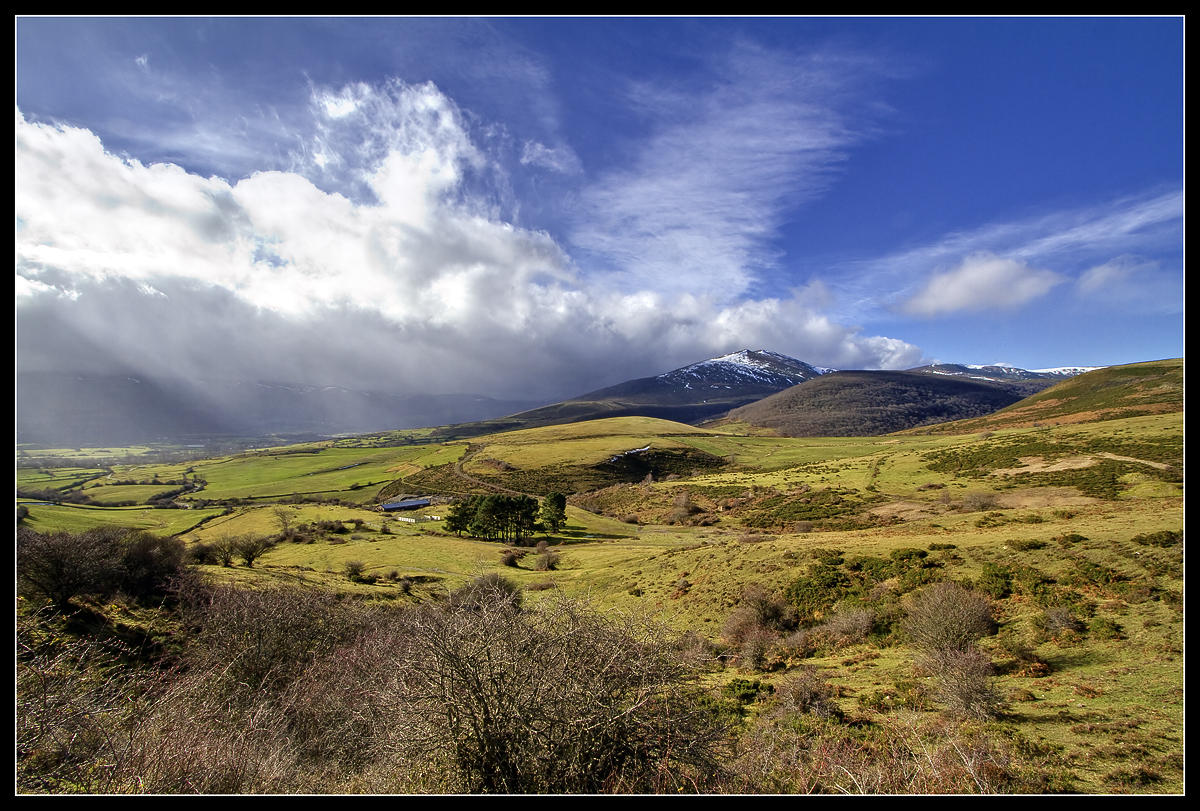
982 281
1116 273
1132 284
1064 242
697 207
409 286
560 159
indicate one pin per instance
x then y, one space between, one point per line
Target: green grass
1108 712
355 474
70 518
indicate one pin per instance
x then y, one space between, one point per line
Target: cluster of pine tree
512 519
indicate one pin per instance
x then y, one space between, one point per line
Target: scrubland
726 612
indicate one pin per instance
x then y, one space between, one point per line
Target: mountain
690 394
869 403
737 376
1023 381
75 410
1110 392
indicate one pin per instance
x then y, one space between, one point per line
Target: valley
782 558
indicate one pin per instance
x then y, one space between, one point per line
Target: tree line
512 519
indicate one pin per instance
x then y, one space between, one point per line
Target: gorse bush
60 566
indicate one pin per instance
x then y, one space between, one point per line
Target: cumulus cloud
376 267
982 281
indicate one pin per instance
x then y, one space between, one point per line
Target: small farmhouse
407 504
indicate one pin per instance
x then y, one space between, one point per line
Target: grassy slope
924 491
1154 387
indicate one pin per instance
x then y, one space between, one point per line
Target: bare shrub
848 626
944 621
251 547
902 755
946 616
255 640
964 679
755 624
979 501
806 692
66 718
355 569
547 561
225 549
554 699
97 562
1060 621
62 565
486 590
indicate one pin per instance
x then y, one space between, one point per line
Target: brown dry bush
902 755
255 641
944 621
804 691
754 625
848 625
964 683
552 699
946 616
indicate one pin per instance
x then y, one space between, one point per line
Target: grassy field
76 518
1082 517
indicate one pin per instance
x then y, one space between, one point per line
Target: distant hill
869 403
1111 392
690 394
1023 381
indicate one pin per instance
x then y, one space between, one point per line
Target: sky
538 207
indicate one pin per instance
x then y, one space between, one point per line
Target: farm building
407 504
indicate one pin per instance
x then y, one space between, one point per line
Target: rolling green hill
788 565
1136 389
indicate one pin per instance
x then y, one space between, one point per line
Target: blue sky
543 206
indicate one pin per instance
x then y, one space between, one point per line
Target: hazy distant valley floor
795 567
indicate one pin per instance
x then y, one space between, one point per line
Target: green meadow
1074 530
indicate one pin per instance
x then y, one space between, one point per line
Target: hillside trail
462 474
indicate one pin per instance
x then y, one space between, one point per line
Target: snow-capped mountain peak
745 367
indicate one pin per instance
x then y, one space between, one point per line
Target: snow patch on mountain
1068 371
745 367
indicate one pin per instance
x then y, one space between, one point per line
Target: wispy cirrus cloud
1013 263
699 203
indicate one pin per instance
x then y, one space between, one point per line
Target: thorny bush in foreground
554 698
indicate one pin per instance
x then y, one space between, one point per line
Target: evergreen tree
554 511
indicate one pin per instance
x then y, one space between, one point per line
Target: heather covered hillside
865 403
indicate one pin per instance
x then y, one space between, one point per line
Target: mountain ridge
77 409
